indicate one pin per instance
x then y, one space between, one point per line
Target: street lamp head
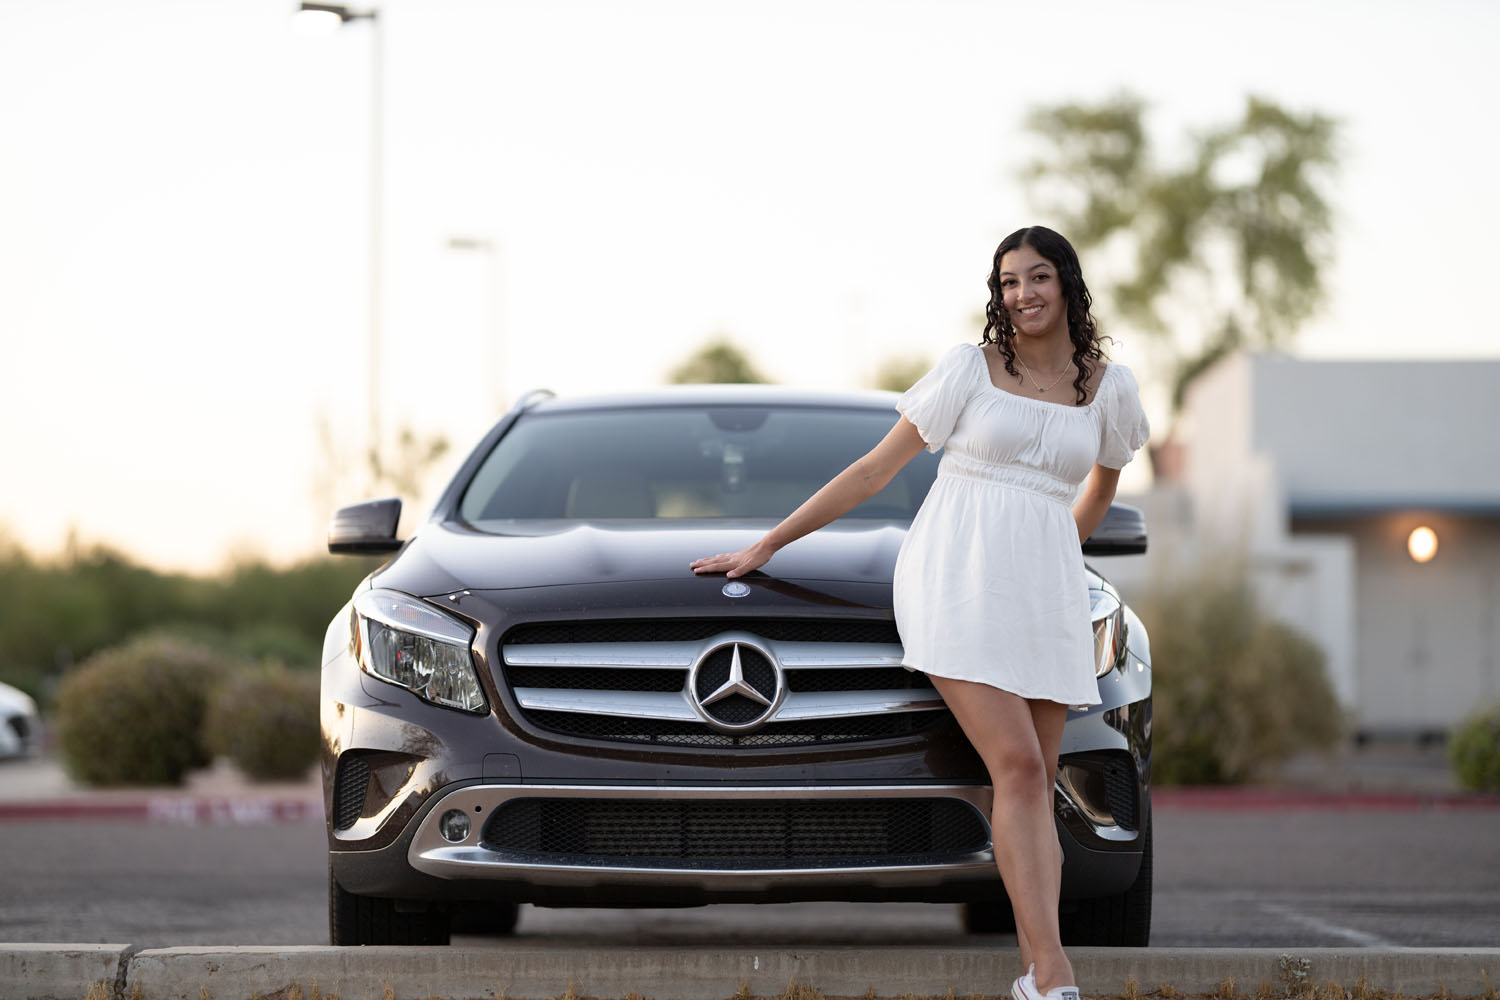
470 243
325 18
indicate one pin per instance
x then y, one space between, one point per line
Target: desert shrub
255 642
61 611
133 714
1234 692
1474 750
265 719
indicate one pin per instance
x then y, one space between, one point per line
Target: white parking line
1361 938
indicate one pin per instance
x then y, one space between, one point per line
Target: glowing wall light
1422 544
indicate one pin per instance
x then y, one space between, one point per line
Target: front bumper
1099 858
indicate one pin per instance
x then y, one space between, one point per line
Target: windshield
683 462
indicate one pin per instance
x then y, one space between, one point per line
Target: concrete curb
45 972
61 971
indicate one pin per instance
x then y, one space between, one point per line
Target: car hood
447 557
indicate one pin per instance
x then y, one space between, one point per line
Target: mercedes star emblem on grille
736 686
736 589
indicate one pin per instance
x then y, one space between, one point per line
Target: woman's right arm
867 476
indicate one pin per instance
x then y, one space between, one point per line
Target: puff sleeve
1124 427
938 397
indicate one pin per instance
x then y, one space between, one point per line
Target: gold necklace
1038 384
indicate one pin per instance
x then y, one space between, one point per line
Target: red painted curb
1202 797
184 811
227 811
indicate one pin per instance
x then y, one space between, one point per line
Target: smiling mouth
1031 310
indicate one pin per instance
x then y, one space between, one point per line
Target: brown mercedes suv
534 700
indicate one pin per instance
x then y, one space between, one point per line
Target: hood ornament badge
735 588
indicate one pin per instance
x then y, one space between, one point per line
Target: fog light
454 826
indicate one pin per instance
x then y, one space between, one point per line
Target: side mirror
1121 533
367 528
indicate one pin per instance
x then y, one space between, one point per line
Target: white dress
990 585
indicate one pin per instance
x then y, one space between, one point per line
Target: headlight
409 643
1109 631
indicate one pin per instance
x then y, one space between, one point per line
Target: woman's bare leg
1003 730
1048 717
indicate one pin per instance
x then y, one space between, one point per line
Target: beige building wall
1428 633
1316 472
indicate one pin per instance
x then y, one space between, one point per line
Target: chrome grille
648 681
696 734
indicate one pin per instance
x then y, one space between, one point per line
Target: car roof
719 395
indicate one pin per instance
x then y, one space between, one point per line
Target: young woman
990 596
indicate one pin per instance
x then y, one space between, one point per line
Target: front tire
354 920
489 919
989 916
1122 920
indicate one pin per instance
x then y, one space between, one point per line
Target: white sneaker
1025 988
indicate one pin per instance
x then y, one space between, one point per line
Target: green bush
133 714
1234 692
266 721
255 642
61 611
1474 749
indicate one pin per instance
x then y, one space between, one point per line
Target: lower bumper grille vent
766 832
1119 792
349 787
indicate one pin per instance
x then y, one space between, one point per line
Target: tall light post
323 18
496 355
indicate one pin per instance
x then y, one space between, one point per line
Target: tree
717 361
1240 229
405 465
899 374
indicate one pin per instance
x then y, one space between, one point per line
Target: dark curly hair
1082 329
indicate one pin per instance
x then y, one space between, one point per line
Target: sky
185 206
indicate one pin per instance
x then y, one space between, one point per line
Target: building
1322 474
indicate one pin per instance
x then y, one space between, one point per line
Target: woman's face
1032 294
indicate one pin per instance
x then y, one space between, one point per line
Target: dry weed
1225 990
797 991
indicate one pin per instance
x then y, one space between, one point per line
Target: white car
20 725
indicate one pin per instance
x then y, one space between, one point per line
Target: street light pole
377 229
320 18
496 355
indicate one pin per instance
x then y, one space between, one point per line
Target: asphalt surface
1254 875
